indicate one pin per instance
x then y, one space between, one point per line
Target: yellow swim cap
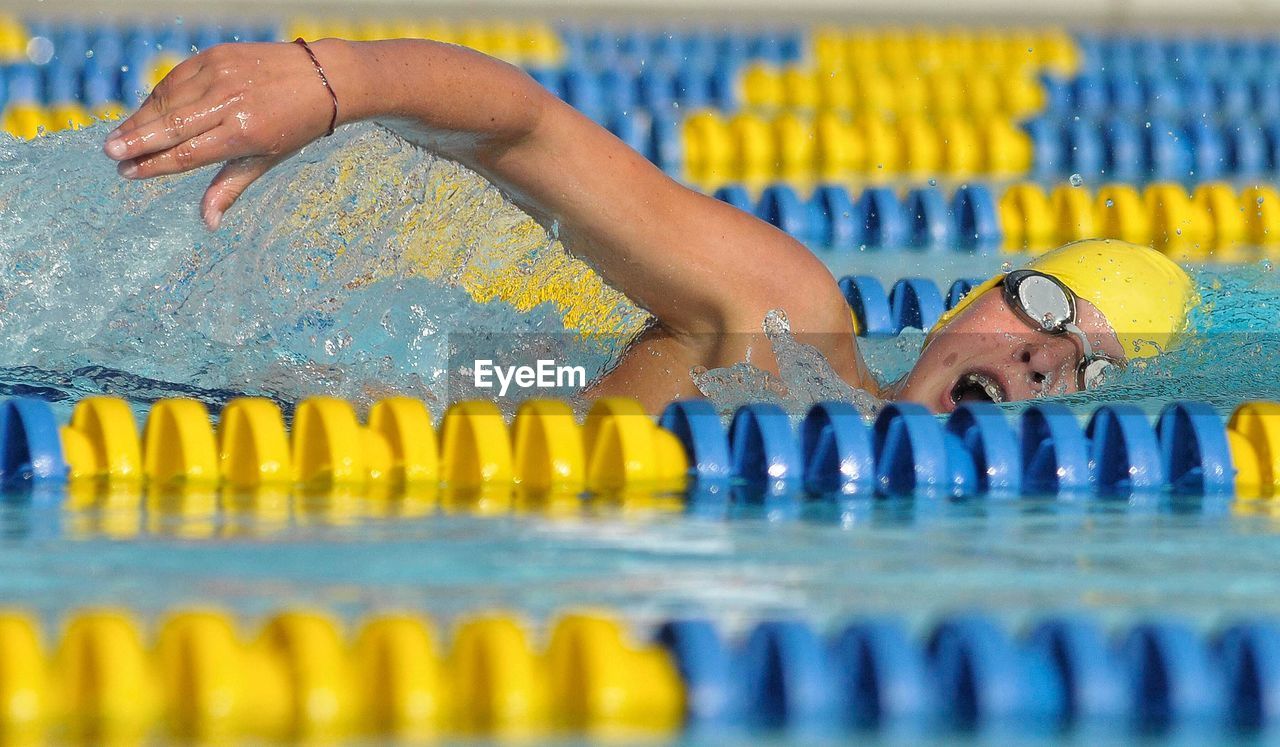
1143 294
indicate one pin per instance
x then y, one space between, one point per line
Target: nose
1049 364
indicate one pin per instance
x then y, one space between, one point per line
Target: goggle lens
1096 372
1044 302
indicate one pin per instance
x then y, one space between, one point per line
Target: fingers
163 95
206 148
229 184
164 132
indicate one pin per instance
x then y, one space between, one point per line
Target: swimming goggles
1049 306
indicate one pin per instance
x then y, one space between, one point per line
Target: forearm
451 99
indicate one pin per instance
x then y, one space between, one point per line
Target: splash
344 271
805 377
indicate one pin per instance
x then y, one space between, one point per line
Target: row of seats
1194 54
939 93
1215 221
703 48
1194 94
901 50
1137 149
834 218
716 148
906 451
298 676
530 44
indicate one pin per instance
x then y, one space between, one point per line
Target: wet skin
989 339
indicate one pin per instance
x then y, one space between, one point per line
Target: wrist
344 66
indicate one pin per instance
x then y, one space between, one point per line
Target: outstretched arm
703 269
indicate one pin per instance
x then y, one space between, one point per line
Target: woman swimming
707 272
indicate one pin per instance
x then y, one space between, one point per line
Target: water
346 270
366 267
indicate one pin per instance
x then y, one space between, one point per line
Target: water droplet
40 50
1076 180
934 183
1111 202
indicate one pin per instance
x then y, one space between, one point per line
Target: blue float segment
1208 150
984 678
836 448
990 445
696 424
1247 153
24 84
736 195
1090 94
883 219
1047 156
915 303
959 289
841 229
1195 456
1124 156
668 145
635 131
786 678
1124 452
1054 452
1249 653
706 667
1083 145
969 675
880 677
780 206
977 219
1095 691
910 455
30 446
1172 678
1167 151
869 304
762 446
930 219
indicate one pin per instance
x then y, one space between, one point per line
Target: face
988 353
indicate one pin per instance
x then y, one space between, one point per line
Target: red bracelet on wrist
333 120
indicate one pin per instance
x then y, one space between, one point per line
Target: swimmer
706 272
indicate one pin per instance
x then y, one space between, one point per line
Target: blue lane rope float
969 673
976 451
911 303
924 219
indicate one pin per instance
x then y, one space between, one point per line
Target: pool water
348 270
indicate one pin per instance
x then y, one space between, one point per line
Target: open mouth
977 387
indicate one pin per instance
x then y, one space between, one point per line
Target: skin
707 272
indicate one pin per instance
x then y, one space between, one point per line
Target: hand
249 105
